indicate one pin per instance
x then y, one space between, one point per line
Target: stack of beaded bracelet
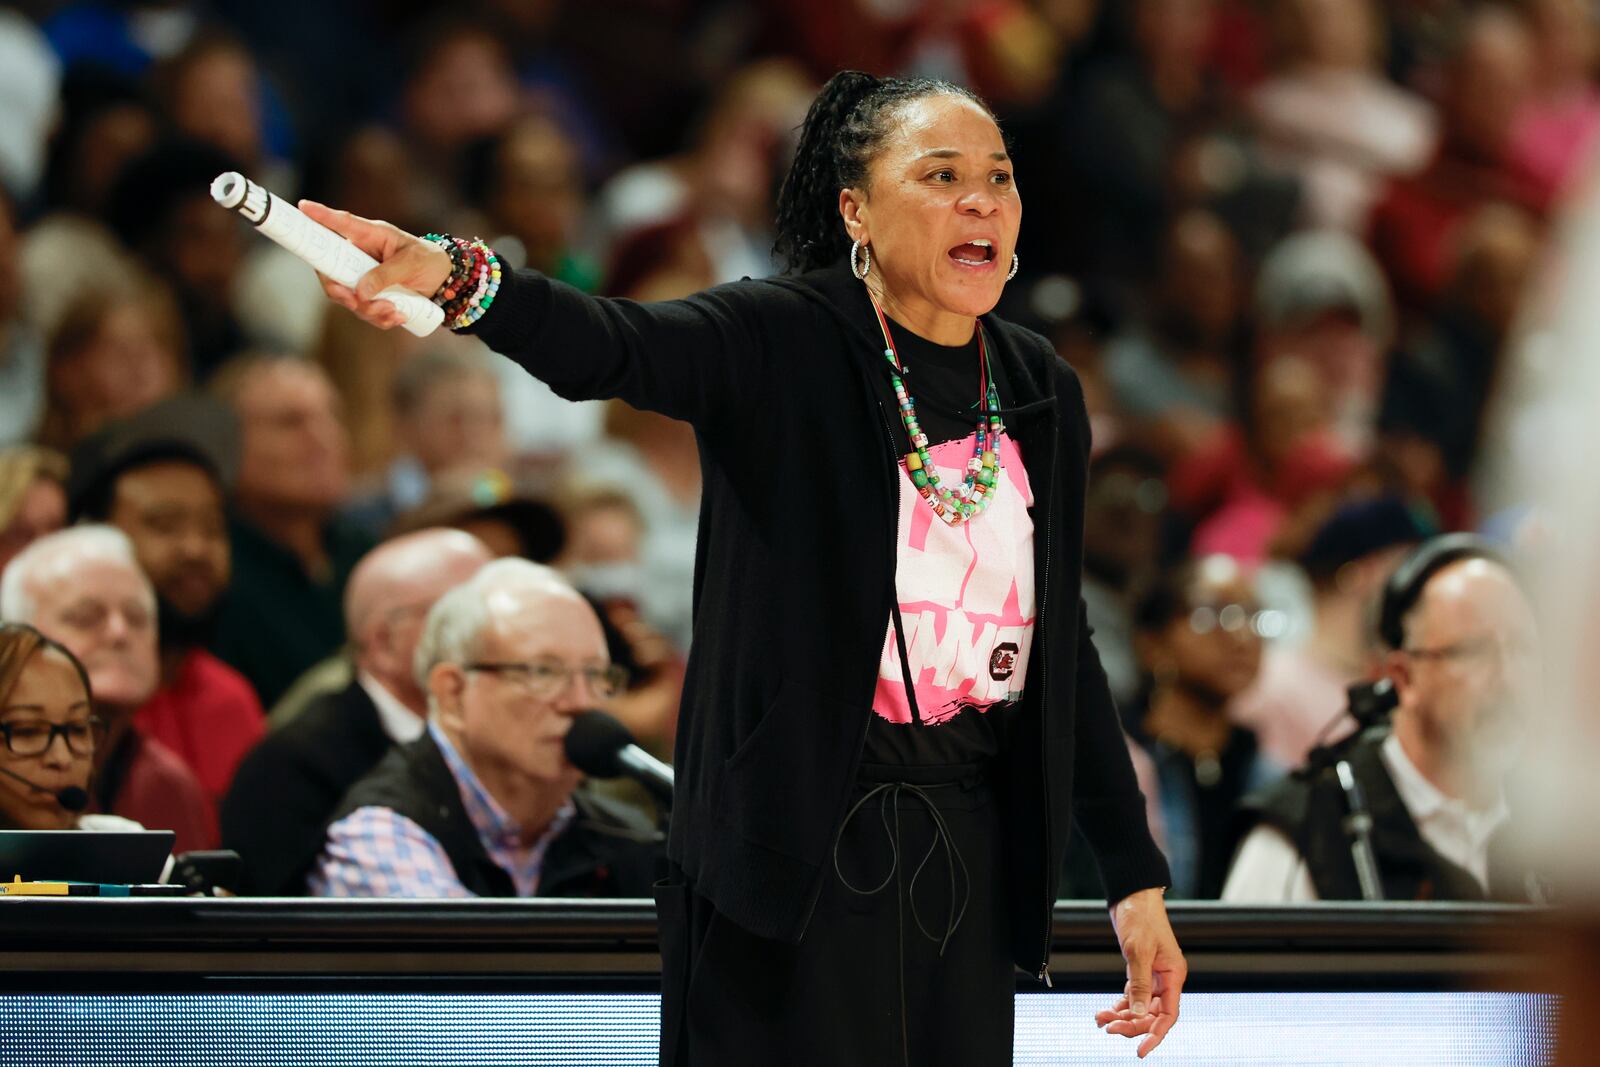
448 295
473 283
458 267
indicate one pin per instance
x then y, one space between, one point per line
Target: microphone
601 747
72 798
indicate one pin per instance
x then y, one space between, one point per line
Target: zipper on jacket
1044 711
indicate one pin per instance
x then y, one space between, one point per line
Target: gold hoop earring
864 267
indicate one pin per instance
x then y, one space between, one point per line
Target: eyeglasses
82 736
548 679
1478 651
96 615
1238 618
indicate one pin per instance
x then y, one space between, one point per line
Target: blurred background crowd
1282 242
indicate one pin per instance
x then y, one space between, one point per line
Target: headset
1405 585
1371 702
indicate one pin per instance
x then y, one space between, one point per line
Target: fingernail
1139 1007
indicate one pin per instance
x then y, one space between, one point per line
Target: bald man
1465 669
287 787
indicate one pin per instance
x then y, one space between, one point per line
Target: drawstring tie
888 794
889 798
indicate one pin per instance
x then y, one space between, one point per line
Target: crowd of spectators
1284 244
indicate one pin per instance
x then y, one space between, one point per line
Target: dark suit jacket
285 789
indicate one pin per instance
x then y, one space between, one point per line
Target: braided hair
843 131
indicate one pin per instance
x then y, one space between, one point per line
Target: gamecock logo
1003 661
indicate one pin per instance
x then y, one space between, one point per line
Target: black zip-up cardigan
794 573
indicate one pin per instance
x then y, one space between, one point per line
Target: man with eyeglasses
1463 663
485 802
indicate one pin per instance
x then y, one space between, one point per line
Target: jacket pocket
783 785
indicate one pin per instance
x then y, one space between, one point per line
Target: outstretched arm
688 359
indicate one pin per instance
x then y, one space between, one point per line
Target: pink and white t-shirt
966 600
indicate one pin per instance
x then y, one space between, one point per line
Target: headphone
1405 585
1371 702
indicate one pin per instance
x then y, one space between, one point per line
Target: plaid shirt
374 852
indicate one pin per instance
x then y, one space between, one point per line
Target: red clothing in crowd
207 714
145 781
1413 228
1236 505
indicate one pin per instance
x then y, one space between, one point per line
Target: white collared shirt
1269 869
401 723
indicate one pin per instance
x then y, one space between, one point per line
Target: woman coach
892 710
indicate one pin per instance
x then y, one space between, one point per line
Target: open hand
403 260
1156 971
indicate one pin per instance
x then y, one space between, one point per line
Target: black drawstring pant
906 960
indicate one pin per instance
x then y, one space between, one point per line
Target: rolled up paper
319 246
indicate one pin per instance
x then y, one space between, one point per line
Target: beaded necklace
968 500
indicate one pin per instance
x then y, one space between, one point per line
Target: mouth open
974 255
